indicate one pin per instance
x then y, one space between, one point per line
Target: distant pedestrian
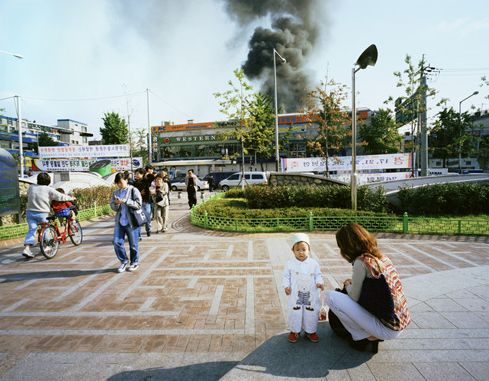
191 183
39 198
143 182
301 280
161 204
125 199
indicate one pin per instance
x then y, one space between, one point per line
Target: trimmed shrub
239 208
85 199
445 199
333 196
234 193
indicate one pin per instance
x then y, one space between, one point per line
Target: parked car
178 183
213 178
250 178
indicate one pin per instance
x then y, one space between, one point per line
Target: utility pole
150 140
21 143
422 120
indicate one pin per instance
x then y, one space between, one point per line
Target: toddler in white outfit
301 281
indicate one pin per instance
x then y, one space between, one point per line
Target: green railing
392 224
18 230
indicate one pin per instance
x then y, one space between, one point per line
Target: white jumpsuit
303 304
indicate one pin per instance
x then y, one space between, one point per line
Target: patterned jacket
385 266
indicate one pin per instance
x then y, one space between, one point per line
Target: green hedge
445 199
333 196
240 208
85 198
223 213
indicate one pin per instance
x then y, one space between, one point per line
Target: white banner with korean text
343 163
115 150
83 165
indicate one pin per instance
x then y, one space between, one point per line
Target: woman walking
372 306
161 204
191 183
124 200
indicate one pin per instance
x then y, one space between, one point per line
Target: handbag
138 216
376 298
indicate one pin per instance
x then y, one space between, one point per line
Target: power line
168 104
81 99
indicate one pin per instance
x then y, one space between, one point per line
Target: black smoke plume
293 33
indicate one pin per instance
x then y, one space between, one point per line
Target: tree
139 144
380 135
324 107
448 136
44 140
115 129
261 121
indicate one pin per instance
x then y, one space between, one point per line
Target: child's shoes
313 337
293 337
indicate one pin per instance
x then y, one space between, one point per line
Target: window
247 176
234 177
257 176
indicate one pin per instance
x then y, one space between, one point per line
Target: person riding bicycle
39 197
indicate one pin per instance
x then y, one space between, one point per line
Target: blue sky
77 52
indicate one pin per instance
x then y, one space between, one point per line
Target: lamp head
368 57
475 93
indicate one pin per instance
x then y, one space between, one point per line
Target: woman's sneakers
133 267
122 267
27 252
129 267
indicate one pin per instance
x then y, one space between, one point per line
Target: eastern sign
115 150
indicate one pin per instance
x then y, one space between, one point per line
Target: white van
250 178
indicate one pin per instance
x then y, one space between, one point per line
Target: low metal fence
391 224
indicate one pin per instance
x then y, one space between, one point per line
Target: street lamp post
277 153
367 58
16 55
21 143
460 136
19 118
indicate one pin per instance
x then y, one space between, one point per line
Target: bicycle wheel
48 242
75 232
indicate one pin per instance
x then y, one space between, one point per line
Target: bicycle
50 235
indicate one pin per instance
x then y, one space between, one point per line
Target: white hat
300 237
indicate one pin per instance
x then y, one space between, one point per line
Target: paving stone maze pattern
203 292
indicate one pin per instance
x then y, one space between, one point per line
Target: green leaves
380 135
115 129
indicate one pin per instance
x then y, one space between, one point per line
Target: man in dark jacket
142 182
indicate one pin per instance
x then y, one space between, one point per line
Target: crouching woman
372 306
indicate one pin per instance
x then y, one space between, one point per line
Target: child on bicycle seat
62 208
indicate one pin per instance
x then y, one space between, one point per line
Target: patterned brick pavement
196 292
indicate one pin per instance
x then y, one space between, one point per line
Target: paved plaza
207 305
